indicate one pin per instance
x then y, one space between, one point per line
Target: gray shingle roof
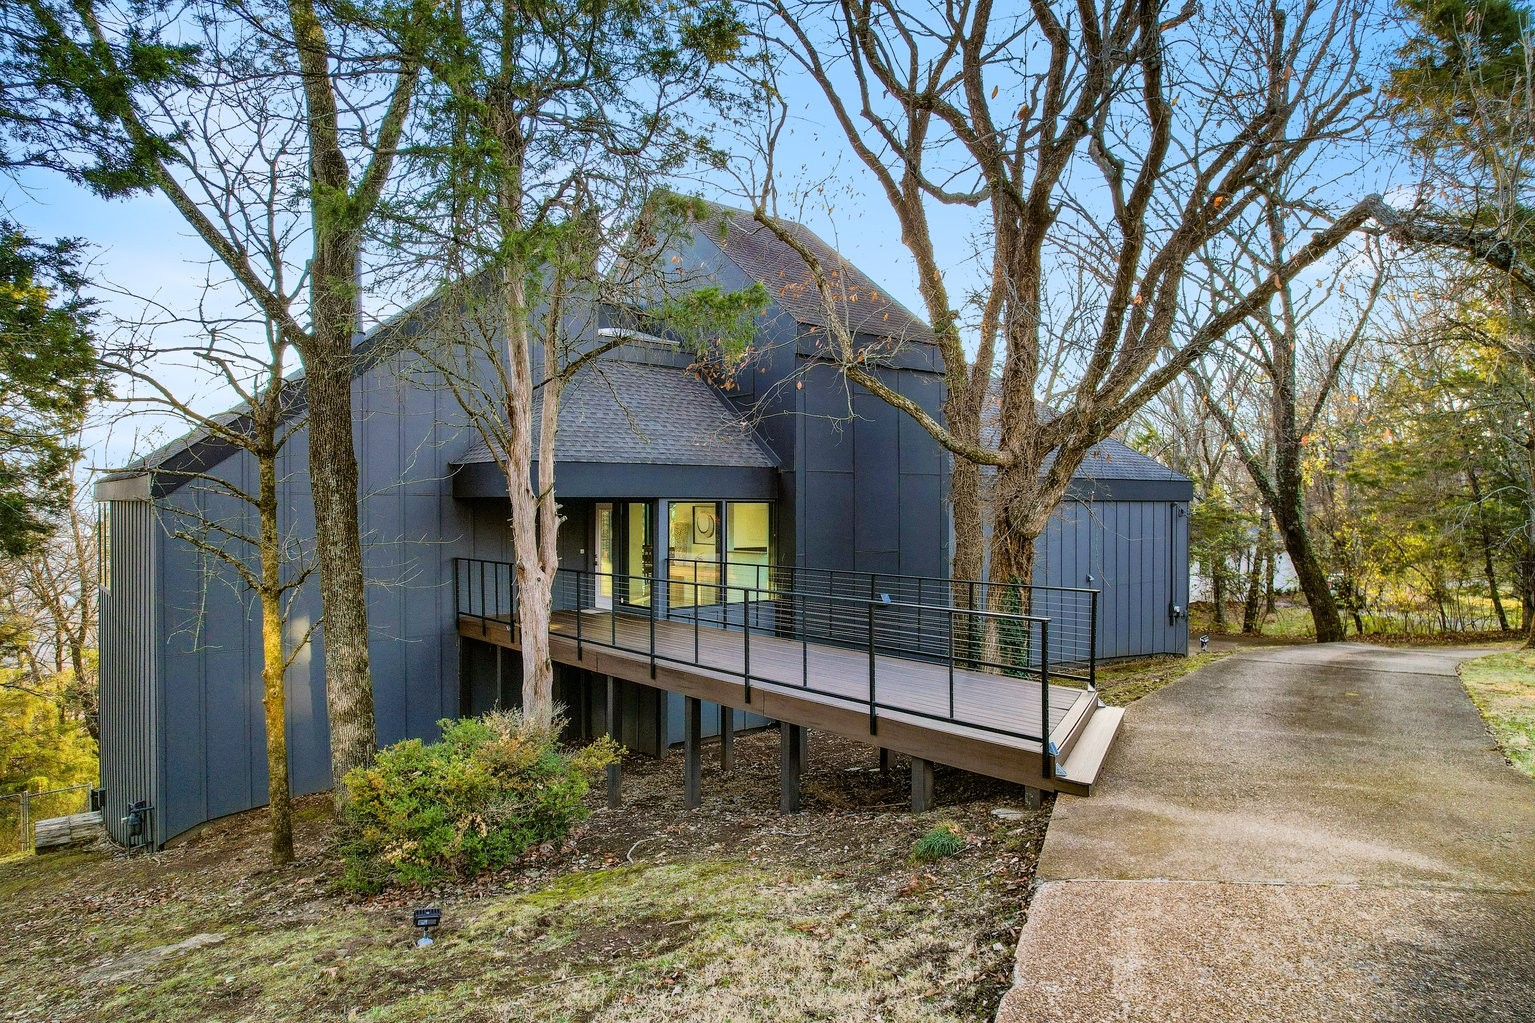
1114 460
1109 459
862 304
624 412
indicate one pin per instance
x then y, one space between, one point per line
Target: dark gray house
1123 530
692 489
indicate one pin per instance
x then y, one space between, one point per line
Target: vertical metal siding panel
1151 610
126 673
1152 596
1127 606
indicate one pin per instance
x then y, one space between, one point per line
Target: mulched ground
95 918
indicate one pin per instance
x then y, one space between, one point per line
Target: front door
606 545
623 563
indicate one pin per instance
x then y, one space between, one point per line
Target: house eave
124 488
632 481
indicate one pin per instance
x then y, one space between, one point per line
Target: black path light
426 919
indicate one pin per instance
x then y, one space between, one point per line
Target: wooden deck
992 727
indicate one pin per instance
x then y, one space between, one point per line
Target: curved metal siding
127 668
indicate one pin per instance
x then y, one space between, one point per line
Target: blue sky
142 246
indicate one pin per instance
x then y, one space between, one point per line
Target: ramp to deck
991 724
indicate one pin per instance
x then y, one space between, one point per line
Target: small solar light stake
426 919
1204 642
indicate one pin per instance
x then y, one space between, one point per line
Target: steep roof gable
862 304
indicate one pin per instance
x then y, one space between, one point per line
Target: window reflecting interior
749 535
693 561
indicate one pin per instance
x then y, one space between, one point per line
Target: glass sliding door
623 563
693 562
639 557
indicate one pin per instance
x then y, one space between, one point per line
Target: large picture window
711 543
749 550
693 557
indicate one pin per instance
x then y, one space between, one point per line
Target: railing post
970 639
873 705
920 620
1047 748
951 663
746 643
580 647
652 637
1092 642
804 646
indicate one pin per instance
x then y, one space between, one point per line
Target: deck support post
921 785
727 739
614 722
1033 799
658 700
692 711
790 740
884 761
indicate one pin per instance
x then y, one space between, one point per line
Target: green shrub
492 788
944 840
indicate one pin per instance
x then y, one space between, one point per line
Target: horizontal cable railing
923 632
775 621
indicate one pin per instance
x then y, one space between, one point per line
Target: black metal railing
924 631
484 591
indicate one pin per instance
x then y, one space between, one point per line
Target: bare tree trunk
1251 623
1313 581
337 216
1270 569
1218 589
1021 508
1486 538
338 552
274 667
534 514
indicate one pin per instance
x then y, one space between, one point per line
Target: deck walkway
985 723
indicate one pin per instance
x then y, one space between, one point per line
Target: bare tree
1282 365
273 561
559 124
348 88
1104 150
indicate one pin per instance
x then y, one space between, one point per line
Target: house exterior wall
1136 554
847 457
206 680
129 762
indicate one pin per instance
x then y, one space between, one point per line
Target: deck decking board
986 706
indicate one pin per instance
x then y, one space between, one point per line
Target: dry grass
1123 682
1502 686
731 912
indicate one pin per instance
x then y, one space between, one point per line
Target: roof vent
625 334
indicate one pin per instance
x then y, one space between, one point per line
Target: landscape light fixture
426 919
1204 642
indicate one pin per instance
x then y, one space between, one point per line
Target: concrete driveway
1294 833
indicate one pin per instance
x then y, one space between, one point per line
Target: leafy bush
939 842
492 788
